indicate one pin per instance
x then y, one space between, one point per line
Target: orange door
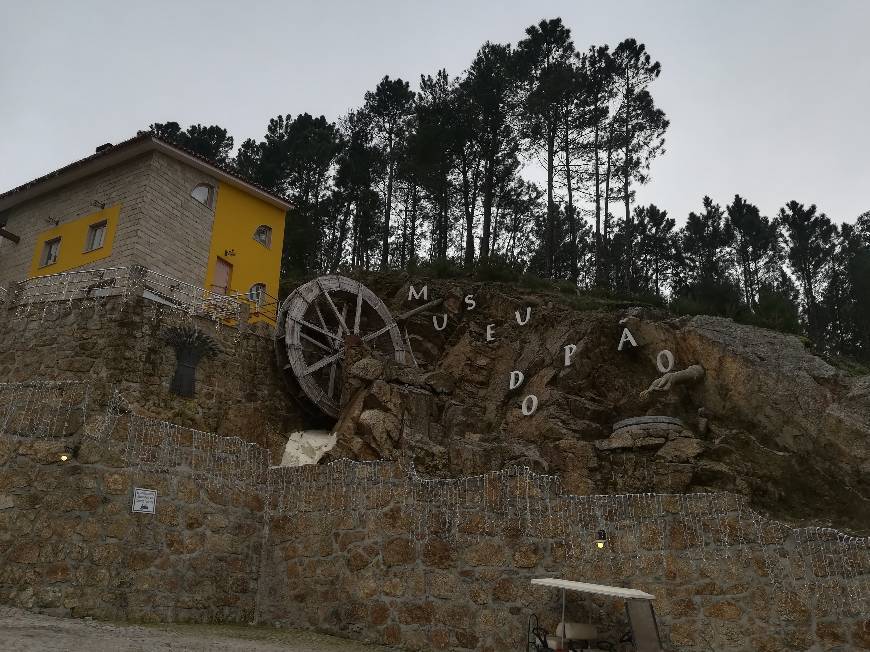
223 272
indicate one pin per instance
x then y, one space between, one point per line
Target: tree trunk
385 250
572 222
354 249
596 146
551 208
625 185
488 174
403 248
468 207
443 210
412 253
607 176
338 249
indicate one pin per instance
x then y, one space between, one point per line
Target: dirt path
22 631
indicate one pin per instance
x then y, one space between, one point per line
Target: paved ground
23 631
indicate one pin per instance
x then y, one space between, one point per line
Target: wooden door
223 272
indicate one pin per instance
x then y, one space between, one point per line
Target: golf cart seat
553 643
578 636
577 631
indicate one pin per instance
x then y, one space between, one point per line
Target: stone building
150 203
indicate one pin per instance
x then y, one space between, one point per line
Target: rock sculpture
687 376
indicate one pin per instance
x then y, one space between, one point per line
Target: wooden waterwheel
314 324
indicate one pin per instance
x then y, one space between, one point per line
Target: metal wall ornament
191 346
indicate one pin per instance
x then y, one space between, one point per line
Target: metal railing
96 284
193 299
79 284
264 307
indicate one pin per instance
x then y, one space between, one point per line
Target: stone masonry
375 574
372 562
160 226
70 545
124 184
118 346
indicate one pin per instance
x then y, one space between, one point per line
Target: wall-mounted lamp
98 204
601 539
8 235
66 454
229 252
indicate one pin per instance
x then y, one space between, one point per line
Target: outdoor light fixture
601 539
64 456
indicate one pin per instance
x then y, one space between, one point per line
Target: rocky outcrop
766 418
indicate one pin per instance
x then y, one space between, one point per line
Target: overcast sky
769 99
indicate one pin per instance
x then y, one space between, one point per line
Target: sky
768 99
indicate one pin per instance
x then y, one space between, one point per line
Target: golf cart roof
597 589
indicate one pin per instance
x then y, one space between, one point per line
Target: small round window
204 194
263 235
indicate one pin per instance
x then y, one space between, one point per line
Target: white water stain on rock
307 447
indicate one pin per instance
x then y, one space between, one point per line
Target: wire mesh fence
43 409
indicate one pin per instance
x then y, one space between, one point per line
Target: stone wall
117 345
69 543
364 554
124 184
160 225
373 551
174 232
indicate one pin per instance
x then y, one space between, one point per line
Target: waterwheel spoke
379 332
332 305
320 316
331 388
359 301
317 329
315 342
320 364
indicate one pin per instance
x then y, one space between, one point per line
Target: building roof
124 151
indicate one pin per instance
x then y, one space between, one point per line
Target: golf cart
642 636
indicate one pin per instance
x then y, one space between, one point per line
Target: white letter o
666 364
530 404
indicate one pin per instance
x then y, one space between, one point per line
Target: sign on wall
144 500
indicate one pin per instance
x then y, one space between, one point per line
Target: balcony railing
191 298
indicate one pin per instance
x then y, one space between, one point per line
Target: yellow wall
73 237
237 215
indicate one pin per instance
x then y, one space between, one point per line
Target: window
96 236
263 235
49 252
257 293
204 194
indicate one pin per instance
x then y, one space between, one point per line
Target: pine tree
546 73
810 244
640 123
389 108
490 88
754 245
